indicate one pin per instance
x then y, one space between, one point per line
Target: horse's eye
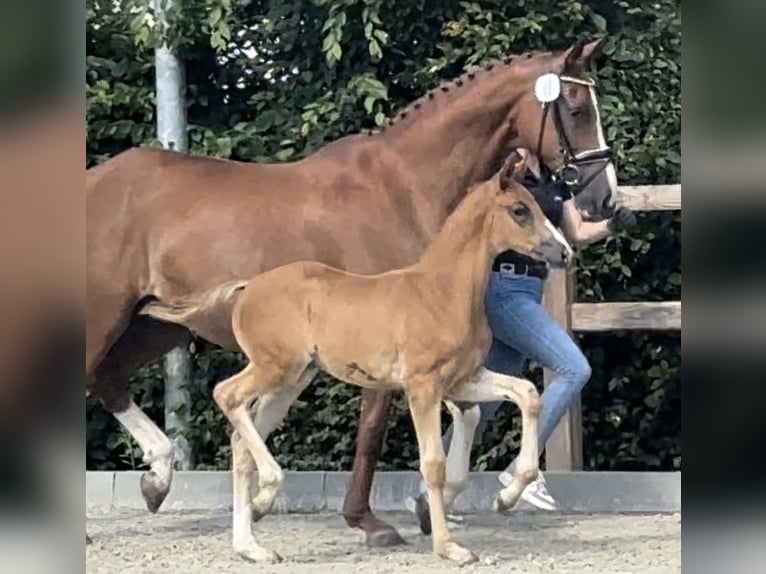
577 112
520 210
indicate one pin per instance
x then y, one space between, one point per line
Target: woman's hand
622 220
583 233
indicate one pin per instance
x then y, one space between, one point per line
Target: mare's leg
490 386
425 409
145 339
103 326
369 439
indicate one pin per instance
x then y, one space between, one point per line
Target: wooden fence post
564 448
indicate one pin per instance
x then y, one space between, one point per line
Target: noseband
569 173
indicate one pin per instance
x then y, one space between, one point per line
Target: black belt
534 270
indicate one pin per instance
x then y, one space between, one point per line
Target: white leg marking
243 540
269 473
269 411
156 446
459 458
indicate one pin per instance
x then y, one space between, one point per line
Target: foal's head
516 220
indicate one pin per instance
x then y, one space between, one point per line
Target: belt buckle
511 268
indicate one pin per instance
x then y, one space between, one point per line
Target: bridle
569 172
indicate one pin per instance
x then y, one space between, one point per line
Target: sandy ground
127 541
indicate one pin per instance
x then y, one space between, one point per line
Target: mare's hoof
87 539
153 491
383 537
423 512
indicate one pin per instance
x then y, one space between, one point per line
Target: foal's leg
425 408
234 396
490 386
270 411
465 419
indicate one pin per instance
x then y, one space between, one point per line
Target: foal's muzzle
555 250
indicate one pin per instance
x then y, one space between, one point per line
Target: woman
522 328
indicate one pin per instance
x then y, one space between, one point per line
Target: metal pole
171 131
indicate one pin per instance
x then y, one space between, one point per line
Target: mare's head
565 129
516 220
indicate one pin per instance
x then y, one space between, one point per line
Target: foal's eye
519 210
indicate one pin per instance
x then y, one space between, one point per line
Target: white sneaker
536 493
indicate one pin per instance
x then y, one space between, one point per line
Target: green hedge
345 64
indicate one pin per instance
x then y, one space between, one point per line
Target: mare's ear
582 54
512 167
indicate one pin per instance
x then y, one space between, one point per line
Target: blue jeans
522 329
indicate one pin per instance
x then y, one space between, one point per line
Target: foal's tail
199 312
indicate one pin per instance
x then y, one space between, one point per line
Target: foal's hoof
153 490
256 514
259 555
456 553
383 537
87 539
500 506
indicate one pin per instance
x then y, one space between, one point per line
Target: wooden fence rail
564 450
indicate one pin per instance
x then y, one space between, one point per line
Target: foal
420 329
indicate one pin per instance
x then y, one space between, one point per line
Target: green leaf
336 51
329 23
328 42
215 15
599 22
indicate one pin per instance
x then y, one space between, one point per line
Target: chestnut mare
162 225
298 319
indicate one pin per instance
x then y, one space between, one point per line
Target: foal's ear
513 166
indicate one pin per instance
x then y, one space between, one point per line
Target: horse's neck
457 261
458 137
